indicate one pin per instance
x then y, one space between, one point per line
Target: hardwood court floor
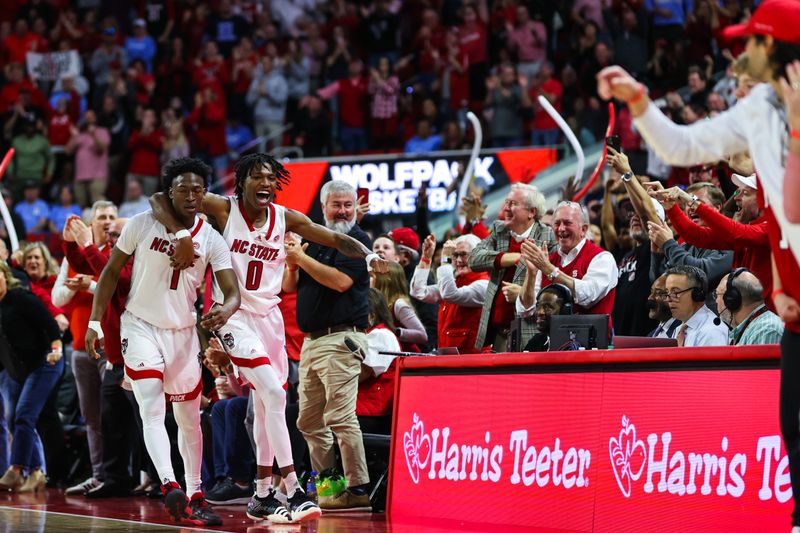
52 512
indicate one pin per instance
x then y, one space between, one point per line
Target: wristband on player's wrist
183 234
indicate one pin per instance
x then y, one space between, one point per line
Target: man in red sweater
77 287
745 234
116 408
590 272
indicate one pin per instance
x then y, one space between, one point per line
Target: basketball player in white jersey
159 341
254 227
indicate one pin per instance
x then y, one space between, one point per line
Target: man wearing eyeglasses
657 309
686 288
499 254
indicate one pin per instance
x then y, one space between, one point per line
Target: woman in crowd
376 384
38 264
394 287
63 209
459 291
33 363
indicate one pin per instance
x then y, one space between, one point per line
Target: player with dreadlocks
254 226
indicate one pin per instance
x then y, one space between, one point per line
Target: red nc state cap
778 18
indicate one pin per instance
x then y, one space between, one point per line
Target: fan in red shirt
212 68
745 234
16 84
144 147
545 130
208 120
473 38
22 41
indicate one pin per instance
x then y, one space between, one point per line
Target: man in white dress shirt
686 297
583 267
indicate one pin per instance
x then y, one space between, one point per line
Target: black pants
790 411
118 431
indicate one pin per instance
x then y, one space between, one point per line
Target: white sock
291 483
190 441
262 487
149 394
270 391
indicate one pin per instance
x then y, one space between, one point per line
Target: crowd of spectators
662 250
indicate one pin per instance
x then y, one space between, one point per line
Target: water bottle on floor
311 487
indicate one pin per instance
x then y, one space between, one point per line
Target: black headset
698 294
565 294
732 297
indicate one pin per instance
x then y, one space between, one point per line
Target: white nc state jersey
159 294
257 255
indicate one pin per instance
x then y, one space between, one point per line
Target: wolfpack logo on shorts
257 256
124 346
160 295
228 340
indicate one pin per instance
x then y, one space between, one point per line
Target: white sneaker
82 488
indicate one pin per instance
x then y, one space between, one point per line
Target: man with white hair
459 291
586 269
499 254
332 311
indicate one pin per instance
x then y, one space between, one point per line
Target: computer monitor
588 331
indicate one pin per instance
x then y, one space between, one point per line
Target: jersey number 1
176 276
254 271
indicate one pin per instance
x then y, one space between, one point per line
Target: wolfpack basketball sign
394 186
394 181
622 451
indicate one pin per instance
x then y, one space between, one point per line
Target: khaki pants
328 390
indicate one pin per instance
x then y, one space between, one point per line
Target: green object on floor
330 484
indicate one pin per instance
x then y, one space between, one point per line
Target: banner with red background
394 180
667 450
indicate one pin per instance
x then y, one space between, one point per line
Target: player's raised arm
310 231
214 205
106 286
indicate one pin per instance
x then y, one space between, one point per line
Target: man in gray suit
499 254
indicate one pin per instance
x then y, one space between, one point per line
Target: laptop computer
625 341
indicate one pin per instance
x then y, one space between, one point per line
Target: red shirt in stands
91 261
209 123
18 46
576 269
473 41
503 311
458 324
145 152
58 133
541 119
749 242
353 102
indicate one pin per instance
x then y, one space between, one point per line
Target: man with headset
555 299
740 299
686 295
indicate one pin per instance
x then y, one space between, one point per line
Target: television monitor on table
568 332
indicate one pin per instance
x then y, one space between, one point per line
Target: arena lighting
12 231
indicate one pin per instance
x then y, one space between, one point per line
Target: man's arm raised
106 286
214 205
303 226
